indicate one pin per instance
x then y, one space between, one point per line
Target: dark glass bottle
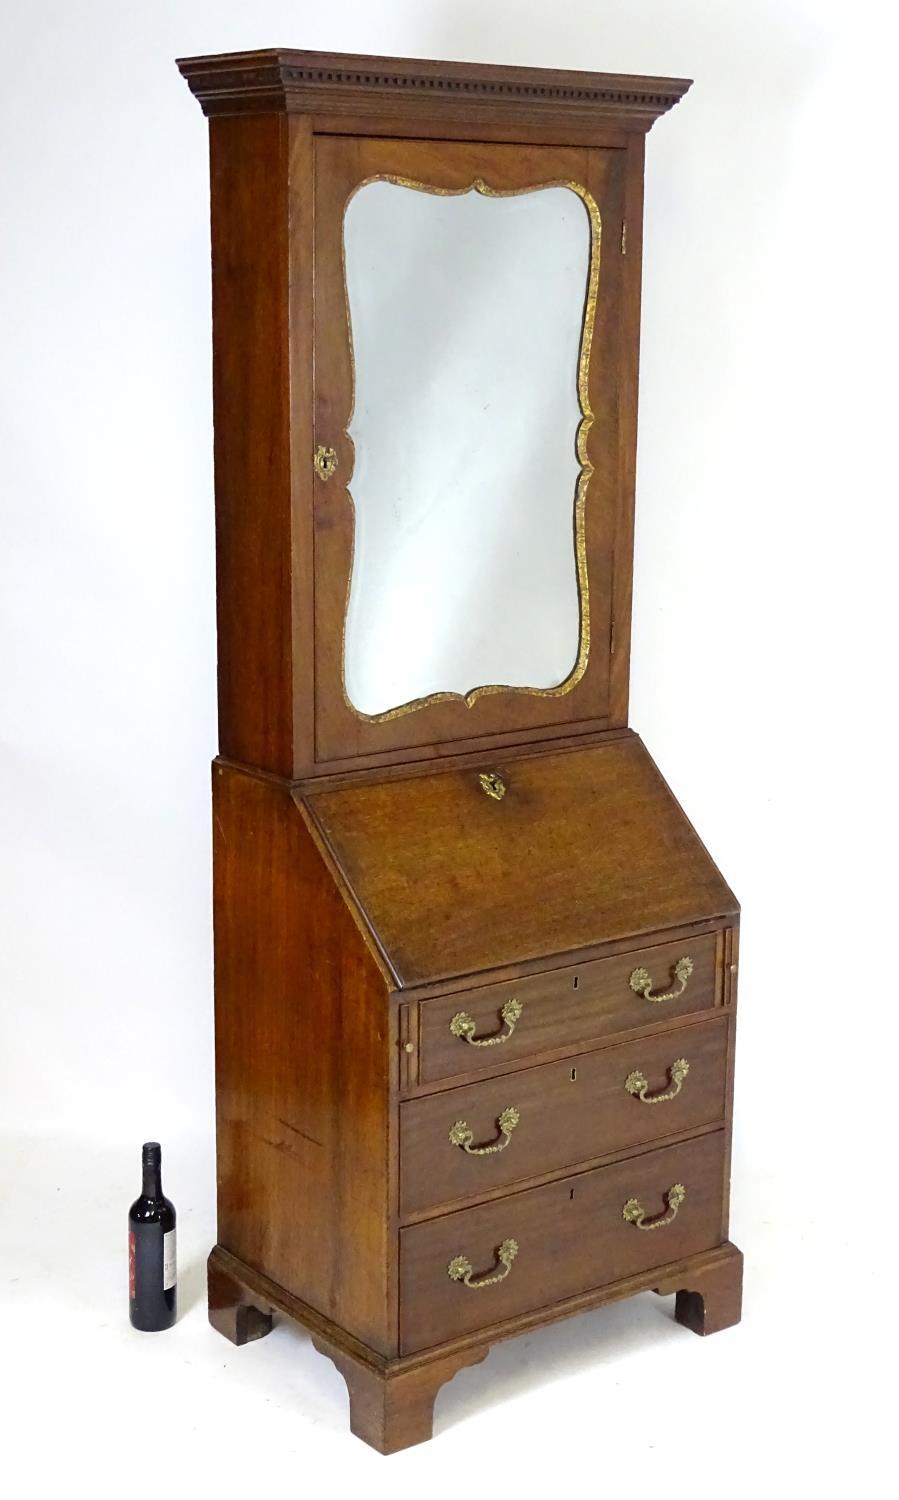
152 1290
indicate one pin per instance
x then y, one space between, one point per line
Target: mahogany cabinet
475 973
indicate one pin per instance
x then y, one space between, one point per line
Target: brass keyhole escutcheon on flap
462 1025
493 785
634 1212
637 1083
461 1269
641 981
324 461
461 1134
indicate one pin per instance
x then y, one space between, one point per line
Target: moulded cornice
321 83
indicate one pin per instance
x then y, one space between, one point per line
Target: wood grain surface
571 1236
303 1067
570 1111
564 1007
586 846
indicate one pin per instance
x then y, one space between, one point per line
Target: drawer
468 1270
501 1023
500 1131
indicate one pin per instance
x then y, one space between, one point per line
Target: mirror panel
471 320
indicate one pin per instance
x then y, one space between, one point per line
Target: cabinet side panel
248 167
631 251
301 1066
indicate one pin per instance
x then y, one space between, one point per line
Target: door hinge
624 236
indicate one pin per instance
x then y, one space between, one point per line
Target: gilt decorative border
583 433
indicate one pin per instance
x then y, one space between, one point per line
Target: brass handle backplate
641 981
637 1084
324 461
461 1135
461 1269
634 1212
463 1026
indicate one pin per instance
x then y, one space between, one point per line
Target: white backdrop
763 683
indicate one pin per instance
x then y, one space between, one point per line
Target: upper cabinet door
469 452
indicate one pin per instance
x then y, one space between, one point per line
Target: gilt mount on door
452 969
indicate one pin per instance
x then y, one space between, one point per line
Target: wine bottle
152 1280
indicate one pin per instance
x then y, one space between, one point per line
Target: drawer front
500 1131
480 1266
502 1023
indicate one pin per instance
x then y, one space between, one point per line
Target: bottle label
169 1272
132 1266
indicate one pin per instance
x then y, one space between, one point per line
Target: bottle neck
152 1171
152 1180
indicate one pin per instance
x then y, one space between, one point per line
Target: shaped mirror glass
470 317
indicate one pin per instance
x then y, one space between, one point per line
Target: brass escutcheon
493 785
324 461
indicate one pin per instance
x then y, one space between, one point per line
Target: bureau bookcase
475 973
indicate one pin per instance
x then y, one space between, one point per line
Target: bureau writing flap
524 856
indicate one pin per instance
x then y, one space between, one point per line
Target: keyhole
574 1075
576 982
571 1196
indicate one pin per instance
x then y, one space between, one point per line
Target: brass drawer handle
461 1269
324 462
463 1026
641 981
634 1212
461 1135
637 1084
